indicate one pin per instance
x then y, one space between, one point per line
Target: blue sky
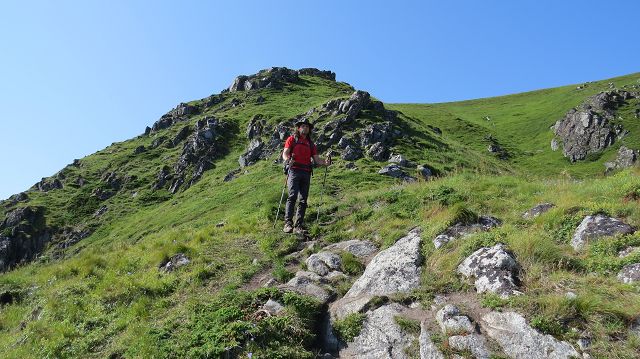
76 76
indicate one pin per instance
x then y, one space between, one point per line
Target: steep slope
159 246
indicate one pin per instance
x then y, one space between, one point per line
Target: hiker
299 150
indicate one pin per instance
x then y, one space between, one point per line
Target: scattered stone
102 210
519 340
537 210
231 175
323 262
627 251
598 226
175 262
495 270
162 178
554 144
351 153
570 295
435 129
424 171
584 343
395 171
400 160
219 224
451 321
139 150
630 273
273 307
461 230
393 270
378 152
352 166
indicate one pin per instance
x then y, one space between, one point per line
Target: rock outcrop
23 235
206 144
275 77
588 128
625 158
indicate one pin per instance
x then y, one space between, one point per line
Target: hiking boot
299 230
288 228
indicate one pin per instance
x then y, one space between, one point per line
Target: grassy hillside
105 296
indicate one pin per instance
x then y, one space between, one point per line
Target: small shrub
547 325
349 327
351 264
410 326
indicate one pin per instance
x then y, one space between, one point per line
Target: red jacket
302 152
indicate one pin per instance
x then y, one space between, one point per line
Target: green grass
105 296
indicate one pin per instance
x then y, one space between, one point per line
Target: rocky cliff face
588 128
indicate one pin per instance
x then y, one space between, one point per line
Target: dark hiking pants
298 184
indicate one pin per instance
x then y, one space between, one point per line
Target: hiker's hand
327 161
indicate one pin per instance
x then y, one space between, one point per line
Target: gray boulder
308 284
451 321
598 226
378 152
175 262
494 270
253 153
625 158
273 307
424 171
351 153
519 340
630 273
400 160
537 210
393 270
474 343
461 230
381 337
358 248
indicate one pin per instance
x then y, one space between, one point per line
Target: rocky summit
448 230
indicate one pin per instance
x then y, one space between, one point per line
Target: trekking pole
275 221
323 182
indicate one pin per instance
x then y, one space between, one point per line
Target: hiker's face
304 129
